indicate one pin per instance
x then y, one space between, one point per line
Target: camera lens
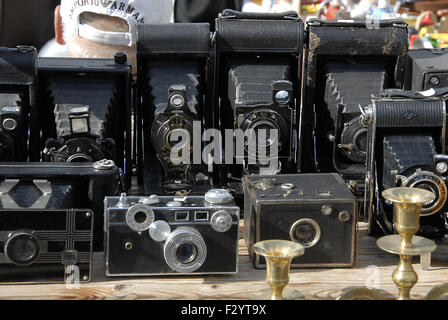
306 232
431 182
185 250
425 185
23 249
262 134
174 137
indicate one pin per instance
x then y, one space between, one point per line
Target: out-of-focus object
256 5
27 22
426 19
437 292
432 5
202 10
443 25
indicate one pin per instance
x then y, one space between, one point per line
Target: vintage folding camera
174 75
258 81
407 148
48 186
17 98
316 210
347 62
40 245
171 235
84 110
426 69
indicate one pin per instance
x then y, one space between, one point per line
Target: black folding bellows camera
257 92
84 111
407 148
174 83
17 100
346 63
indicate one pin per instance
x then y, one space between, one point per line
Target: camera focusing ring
139 217
23 248
354 134
185 250
305 231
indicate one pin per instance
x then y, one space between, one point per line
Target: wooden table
313 283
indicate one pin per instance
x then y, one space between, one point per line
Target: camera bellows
163 75
353 85
98 94
251 84
176 90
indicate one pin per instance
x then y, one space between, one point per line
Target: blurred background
30 22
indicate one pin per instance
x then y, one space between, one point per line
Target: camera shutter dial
139 217
305 231
185 250
221 221
23 248
218 196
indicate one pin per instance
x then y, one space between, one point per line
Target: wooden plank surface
313 283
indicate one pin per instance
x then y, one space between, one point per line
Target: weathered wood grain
313 283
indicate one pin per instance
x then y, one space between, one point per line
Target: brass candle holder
408 203
278 255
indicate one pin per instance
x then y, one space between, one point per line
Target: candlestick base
288 294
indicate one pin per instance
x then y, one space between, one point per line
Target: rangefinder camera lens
185 250
306 232
22 249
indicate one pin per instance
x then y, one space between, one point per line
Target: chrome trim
370 172
443 133
316 237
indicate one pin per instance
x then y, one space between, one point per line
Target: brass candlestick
437 292
407 206
408 203
278 255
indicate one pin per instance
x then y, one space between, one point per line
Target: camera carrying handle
233 14
412 94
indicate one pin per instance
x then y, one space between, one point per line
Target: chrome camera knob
221 221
